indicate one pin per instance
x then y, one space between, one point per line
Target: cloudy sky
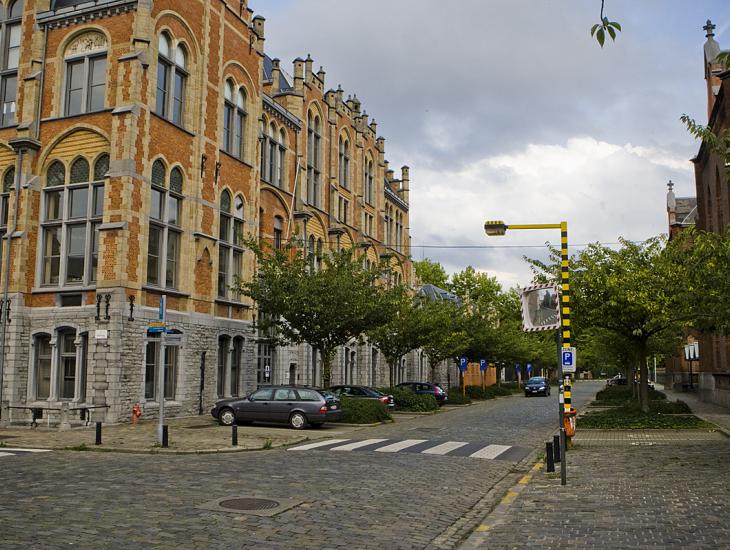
508 109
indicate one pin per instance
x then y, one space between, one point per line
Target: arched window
236 366
271 155
172 74
9 60
314 154
101 168
170 372
165 236
312 252
230 246
344 163
279 179
234 121
368 181
224 365
42 357
8 187
72 213
85 80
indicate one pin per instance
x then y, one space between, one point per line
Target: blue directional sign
529 369
463 364
482 365
517 367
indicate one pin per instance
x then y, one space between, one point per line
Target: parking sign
482 365
463 364
568 359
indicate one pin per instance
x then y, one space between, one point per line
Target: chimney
671 204
374 126
299 74
340 93
405 183
712 68
275 76
356 104
320 75
259 27
308 68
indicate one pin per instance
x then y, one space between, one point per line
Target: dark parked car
537 385
293 405
617 380
426 388
363 392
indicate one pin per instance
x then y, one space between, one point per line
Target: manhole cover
249 504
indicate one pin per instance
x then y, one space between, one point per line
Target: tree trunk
643 378
327 356
391 374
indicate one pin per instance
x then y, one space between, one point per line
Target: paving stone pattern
623 497
353 500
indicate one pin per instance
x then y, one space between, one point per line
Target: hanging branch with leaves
605 27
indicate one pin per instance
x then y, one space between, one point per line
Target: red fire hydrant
136 413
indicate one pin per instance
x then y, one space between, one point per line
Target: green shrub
363 411
629 416
406 400
625 393
456 397
476 392
498 391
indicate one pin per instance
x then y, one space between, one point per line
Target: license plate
333 407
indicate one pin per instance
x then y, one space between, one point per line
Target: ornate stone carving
87 42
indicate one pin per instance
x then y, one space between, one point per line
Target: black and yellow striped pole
498 228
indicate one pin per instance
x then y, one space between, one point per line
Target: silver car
294 405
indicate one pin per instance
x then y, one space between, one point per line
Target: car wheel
298 421
227 417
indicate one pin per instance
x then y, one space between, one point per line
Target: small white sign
101 334
568 360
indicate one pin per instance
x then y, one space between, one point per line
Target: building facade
140 143
713 207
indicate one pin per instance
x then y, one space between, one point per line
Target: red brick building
713 204
139 141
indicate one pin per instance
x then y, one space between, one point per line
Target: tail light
384 399
323 409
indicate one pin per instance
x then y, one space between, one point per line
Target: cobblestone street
354 500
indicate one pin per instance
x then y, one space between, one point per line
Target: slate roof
433 293
284 79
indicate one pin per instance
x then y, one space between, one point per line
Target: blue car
537 385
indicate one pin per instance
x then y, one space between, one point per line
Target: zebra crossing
483 451
5 451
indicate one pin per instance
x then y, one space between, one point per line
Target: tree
324 308
478 291
444 332
637 292
403 330
431 273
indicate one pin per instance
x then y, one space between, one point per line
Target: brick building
713 205
138 141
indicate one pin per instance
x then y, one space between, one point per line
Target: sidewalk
646 489
196 434
706 411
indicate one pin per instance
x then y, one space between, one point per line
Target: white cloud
604 191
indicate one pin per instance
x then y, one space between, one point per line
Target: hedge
363 411
456 397
406 400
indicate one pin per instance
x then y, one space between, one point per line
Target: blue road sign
463 364
482 365
567 358
517 367
529 369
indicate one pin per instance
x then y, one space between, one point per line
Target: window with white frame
230 246
280 159
172 75
60 365
165 233
85 74
234 120
367 224
278 232
343 210
10 20
344 162
314 154
368 195
152 353
73 208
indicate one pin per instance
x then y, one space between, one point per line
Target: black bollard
550 457
234 435
556 448
98 433
164 436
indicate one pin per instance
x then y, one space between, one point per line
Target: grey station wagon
299 407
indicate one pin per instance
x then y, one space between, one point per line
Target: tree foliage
605 27
431 273
324 308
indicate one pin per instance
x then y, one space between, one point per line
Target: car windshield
328 395
536 380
